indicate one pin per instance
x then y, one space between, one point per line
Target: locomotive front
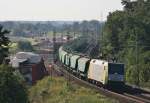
116 74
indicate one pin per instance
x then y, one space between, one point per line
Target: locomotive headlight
116 77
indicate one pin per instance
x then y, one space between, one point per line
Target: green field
57 90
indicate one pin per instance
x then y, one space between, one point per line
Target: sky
52 10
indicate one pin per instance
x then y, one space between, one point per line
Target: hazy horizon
56 10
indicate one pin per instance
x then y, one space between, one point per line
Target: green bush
11 88
25 46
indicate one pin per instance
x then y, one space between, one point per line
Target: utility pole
54 46
101 35
136 55
136 48
62 38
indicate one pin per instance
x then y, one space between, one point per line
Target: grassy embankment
57 90
15 40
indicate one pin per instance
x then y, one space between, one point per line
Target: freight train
100 72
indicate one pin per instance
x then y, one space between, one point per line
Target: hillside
58 90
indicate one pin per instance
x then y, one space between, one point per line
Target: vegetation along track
129 95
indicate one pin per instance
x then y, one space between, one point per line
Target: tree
11 89
126 36
75 27
25 46
4 44
113 38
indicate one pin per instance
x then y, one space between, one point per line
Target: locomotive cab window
116 68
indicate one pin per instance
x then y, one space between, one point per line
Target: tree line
126 38
39 28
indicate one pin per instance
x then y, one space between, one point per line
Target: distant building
30 65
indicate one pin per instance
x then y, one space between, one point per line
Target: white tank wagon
67 62
63 56
83 66
74 62
59 51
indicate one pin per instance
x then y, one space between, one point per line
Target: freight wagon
94 70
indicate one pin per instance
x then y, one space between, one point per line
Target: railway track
130 95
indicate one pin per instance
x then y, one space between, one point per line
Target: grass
14 44
145 85
13 47
17 39
32 41
57 90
